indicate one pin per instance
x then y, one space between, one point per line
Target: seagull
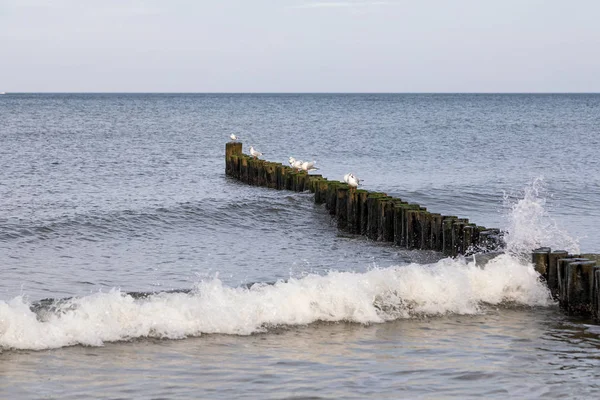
233 137
255 153
347 176
292 160
297 164
353 181
309 166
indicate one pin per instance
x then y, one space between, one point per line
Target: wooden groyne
373 214
572 279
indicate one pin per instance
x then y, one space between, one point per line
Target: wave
130 223
450 286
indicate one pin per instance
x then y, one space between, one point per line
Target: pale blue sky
299 46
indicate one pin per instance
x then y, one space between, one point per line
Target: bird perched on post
353 181
255 153
233 137
308 166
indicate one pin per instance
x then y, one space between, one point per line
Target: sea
132 267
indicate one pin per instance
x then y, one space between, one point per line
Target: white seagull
292 160
255 153
297 164
346 177
233 137
353 181
308 166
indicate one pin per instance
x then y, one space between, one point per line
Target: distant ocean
256 293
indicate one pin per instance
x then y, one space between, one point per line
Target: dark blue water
108 193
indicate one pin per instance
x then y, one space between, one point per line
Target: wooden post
374 215
437 243
341 206
353 218
332 196
541 259
231 148
245 169
580 286
363 211
467 237
553 270
447 223
386 224
563 270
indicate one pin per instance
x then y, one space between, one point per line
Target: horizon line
317 92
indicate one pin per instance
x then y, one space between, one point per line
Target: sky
299 46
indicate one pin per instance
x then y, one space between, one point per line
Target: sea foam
449 286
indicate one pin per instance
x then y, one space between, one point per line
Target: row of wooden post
373 214
573 279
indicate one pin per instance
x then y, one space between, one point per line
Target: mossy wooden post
244 169
457 237
363 211
413 234
260 173
436 232
580 286
271 175
447 223
553 258
233 169
332 196
467 244
231 149
353 212
313 181
541 259
374 215
289 180
321 191
341 206
477 236
301 182
425 220
386 223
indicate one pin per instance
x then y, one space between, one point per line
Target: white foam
530 226
449 286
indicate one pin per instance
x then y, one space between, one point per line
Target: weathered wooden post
386 223
332 196
553 270
321 191
313 182
467 242
580 286
231 148
244 169
363 211
374 215
563 270
413 234
447 224
260 173
541 260
437 243
425 220
341 206
353 218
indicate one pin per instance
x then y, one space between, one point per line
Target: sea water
245 292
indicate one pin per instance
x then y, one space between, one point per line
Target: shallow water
105 194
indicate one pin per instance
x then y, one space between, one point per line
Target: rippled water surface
104 194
